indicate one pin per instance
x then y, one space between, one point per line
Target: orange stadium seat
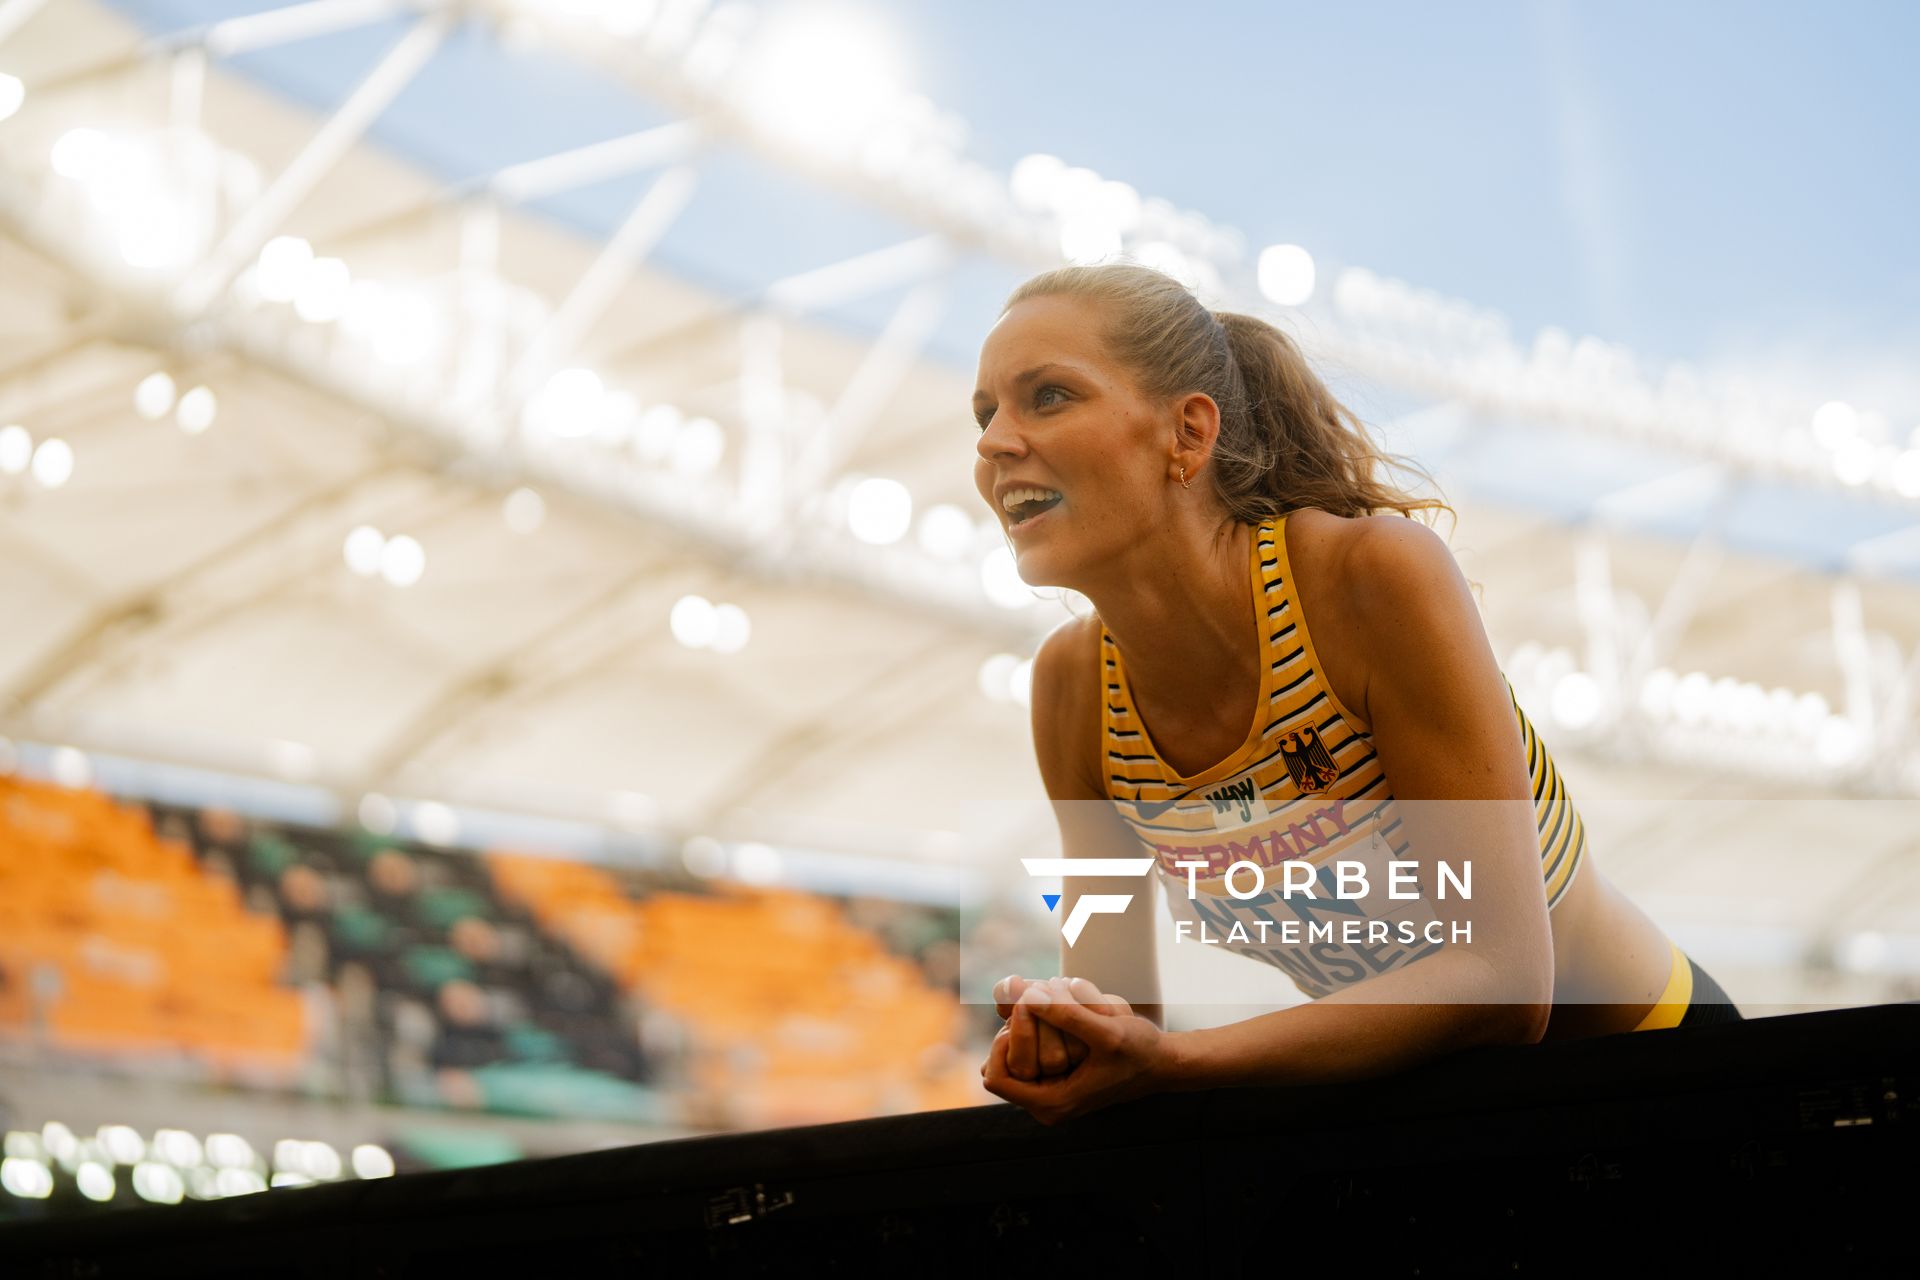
125 947
797 1015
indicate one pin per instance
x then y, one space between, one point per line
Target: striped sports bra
1304 784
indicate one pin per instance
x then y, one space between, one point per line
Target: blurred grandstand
502 654
217 954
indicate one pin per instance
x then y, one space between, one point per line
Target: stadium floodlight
879 510
197 410
371 1160
693 621
53 462
524 510
27 1179
16 449
153 398
95 1181
945 531
818 75
1286 274
158 1183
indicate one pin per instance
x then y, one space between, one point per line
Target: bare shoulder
1066 709
1370 565
1378 589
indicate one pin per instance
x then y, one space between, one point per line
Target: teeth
1014 497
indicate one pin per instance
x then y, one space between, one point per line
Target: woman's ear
1196 426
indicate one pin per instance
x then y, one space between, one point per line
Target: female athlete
1191 476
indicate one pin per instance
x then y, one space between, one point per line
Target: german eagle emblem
1308 760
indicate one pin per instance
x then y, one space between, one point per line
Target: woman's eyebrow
1025 378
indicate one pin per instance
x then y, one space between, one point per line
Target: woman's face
1061 415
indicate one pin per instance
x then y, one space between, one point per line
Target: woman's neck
1180 617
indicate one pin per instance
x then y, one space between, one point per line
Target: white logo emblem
1089 905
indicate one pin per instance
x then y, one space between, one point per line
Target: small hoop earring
1184 482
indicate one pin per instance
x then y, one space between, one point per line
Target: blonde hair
1285 442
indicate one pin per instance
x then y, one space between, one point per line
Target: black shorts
1709 1004
1691 999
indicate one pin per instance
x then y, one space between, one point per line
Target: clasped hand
1068 1049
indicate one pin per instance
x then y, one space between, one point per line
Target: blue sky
1704 180
1726 182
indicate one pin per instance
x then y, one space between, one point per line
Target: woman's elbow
1532 1020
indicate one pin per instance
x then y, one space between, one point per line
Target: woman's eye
1044 391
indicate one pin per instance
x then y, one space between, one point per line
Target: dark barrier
1776 1143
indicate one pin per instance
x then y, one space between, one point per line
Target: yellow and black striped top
1305 784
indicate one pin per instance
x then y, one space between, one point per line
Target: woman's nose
999 438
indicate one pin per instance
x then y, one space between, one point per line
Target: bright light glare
1576 700
436 824
197 410
177 1147
569 404
1001 580
524 510
158 1183
758 863
703 856
53 463
945 531
1906 474
283 267
27 1179
378 814
71 768
16 448
730 628
1834 423
655 432
699 447
363 548
402 561
238 1182
153 398
229 1151
1020 683
694 621
123 1143
996 677
12 94
79 154
405 328
372 1161
323 291
820 75
1033 181
1286 274
879 511
95 1181
165 235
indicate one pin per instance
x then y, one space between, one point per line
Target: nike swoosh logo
1151 811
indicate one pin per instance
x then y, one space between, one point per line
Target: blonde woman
1189 473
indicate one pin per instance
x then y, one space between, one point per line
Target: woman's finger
1087 994
1054 1058
1023 1041
1006 993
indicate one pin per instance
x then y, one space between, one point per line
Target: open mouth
1021 512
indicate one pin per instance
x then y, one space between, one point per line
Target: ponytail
1285 442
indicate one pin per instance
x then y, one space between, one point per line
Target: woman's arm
1443 726
1114 952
